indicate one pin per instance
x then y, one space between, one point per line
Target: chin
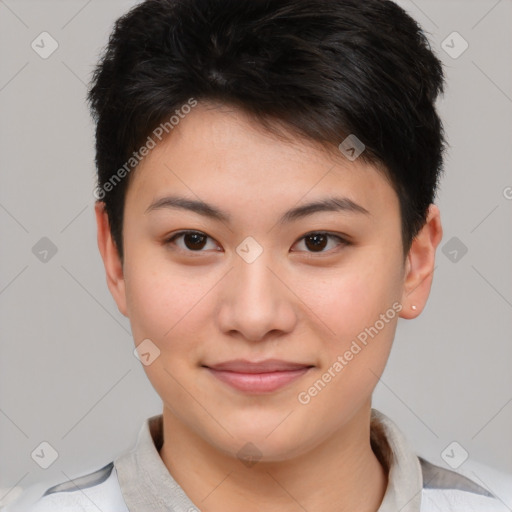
272 442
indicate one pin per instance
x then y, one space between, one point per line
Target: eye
193 241
318 241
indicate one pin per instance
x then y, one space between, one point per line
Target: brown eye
192 241
317 242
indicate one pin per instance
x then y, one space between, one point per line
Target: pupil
197 240
318 241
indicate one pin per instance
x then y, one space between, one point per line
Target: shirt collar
146 483
405 479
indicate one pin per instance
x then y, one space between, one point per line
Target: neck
341 474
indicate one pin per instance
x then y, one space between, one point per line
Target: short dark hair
322 69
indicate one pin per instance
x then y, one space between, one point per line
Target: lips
258 377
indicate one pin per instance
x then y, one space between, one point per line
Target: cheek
357 342
349 299
168 305
156 300
164 308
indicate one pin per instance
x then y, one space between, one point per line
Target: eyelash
343 241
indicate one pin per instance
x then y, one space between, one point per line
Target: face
252 283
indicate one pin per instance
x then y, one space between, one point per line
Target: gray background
68 375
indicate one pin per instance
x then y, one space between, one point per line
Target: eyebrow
330 204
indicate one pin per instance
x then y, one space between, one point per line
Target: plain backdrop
68 375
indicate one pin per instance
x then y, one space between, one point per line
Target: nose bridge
257 302
254 282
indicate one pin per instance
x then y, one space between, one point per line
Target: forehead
220 154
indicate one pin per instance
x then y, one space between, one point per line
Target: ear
111 259
420 265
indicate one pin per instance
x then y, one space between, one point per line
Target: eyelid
344 240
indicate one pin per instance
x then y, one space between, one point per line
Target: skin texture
206 306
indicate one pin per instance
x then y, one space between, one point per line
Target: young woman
266 180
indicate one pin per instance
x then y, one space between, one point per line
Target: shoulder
98 490
477 488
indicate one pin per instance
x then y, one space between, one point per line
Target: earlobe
110 257
420 265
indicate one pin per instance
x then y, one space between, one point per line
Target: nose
256 302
